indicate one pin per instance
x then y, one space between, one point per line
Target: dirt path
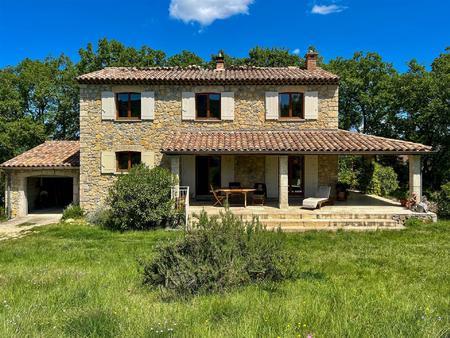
20 226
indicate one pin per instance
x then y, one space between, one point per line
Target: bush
383 182
100 217
141 199
3 216
221 253
73 211
347 173
443 201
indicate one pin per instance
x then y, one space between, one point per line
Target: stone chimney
311 60
220 63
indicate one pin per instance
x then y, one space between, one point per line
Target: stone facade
97 135
328 171
249 170
16 194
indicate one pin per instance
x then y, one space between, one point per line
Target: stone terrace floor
356 203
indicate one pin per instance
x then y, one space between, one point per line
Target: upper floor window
291 105
125 160
207 106
128 105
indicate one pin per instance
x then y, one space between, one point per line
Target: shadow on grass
312 275
93 323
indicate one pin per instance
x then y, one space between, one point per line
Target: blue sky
397 29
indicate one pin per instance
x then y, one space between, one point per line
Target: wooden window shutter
147 105
108 162
227 106
311 105
148 158
108 106
271 105
188 106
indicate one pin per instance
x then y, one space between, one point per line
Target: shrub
141 199
443 201
347 174
221 253
100 217
72 211
383 181
3 216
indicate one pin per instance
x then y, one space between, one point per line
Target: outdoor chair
234 184
235 198
260 195
322 196
218 198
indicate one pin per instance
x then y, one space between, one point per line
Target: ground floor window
125 160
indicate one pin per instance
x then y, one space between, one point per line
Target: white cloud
206 12
327 9
296 51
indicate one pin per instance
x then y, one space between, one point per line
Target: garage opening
49 193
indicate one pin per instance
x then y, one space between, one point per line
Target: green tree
114 53
366 93
273 57
184 59
19 135
11 102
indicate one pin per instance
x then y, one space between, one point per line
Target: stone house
210 127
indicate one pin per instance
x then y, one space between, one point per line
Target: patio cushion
313 202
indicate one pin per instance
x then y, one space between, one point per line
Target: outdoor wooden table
243 191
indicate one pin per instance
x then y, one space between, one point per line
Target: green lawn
78 280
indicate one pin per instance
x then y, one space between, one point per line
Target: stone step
328 228
328 223
306 216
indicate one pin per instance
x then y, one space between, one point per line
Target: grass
75 280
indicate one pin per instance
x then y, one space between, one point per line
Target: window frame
208 111
129 154
290 117
128 117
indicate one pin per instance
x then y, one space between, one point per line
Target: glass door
207 172
296 175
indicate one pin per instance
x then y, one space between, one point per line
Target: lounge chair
322 196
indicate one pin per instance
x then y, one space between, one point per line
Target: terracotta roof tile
284 141
198 75
55 154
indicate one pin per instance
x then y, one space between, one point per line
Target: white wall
271 176
311 175
188 173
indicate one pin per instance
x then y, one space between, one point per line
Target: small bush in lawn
100 217
72 211
443 201
221 253
141 199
